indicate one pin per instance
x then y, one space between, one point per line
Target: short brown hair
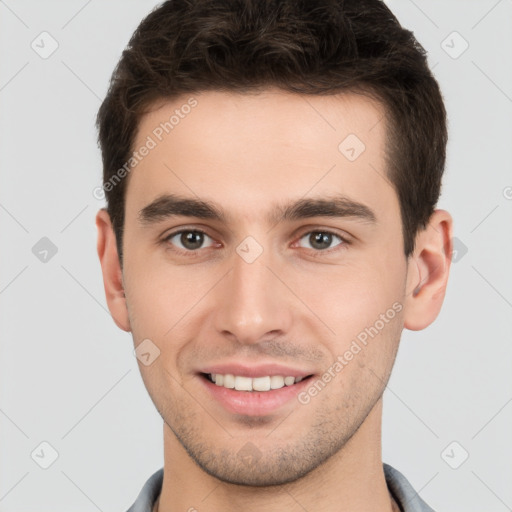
302 46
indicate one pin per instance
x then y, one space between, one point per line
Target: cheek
348 298
361 303
161 297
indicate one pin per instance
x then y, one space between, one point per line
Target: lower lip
254 403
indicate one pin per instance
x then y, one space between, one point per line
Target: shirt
402 491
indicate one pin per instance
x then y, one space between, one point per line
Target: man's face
292 293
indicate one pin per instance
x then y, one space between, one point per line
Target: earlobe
428 271
111 270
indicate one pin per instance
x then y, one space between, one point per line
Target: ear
111 269
427 272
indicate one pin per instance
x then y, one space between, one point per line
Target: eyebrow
172 205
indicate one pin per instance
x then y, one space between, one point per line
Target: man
271 172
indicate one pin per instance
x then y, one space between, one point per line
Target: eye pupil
192 240
321 240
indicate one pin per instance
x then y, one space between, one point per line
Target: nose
252 302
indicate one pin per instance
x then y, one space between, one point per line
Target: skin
295 304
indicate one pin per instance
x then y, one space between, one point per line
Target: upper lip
255 370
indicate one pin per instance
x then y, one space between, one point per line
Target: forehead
237 148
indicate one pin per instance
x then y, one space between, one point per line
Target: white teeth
241 383
261 384
276 381
229 381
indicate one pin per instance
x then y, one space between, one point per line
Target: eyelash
316 253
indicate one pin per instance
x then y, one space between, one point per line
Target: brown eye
188 240
321 240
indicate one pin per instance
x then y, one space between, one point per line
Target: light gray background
68 375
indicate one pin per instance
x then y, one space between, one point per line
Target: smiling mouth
249 384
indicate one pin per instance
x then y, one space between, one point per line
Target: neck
349 481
